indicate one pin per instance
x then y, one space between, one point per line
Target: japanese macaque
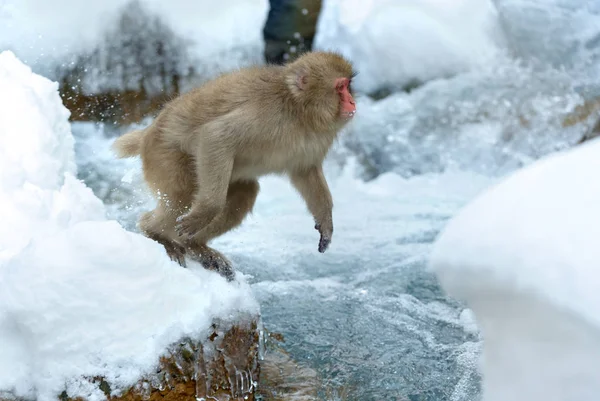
204 152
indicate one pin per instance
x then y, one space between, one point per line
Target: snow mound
79 295
36 145
524 257
395 43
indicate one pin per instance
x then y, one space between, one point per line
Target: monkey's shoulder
253 93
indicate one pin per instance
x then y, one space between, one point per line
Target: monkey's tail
129 144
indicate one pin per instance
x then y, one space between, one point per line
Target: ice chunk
524 257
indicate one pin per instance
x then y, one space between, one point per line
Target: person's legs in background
289 29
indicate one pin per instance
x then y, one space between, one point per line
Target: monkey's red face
347 104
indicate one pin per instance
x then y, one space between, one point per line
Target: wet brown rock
582 112
587 113
223 367
123 107
592 133
283 379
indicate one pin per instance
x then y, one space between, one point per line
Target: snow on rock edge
79 295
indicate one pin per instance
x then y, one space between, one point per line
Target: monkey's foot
221 266
212 260
325 239
175 251
324 244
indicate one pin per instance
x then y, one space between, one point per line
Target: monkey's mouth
348 114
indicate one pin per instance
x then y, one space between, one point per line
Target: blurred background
452 96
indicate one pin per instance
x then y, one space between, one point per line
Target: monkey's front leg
311 184
213 171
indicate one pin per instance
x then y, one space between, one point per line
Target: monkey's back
253 101
250 111
248 88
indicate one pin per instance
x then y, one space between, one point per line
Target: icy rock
524 257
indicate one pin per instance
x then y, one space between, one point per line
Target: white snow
524 256
46 153
79 295
396 42
36 151
41 32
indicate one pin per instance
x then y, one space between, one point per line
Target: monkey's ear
301 79
297 81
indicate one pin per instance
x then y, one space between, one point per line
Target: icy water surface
366 315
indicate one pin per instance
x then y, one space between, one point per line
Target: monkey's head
321 84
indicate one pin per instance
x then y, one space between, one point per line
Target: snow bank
79 295
46 150
397 42
524 257
36 151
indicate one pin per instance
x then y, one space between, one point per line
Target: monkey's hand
326 231
188 225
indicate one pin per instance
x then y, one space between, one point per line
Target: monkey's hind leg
150 224
241 197
169 174
210 259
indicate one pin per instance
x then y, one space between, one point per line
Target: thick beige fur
204 152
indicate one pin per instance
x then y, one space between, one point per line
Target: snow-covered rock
524 256
81 297
396 43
